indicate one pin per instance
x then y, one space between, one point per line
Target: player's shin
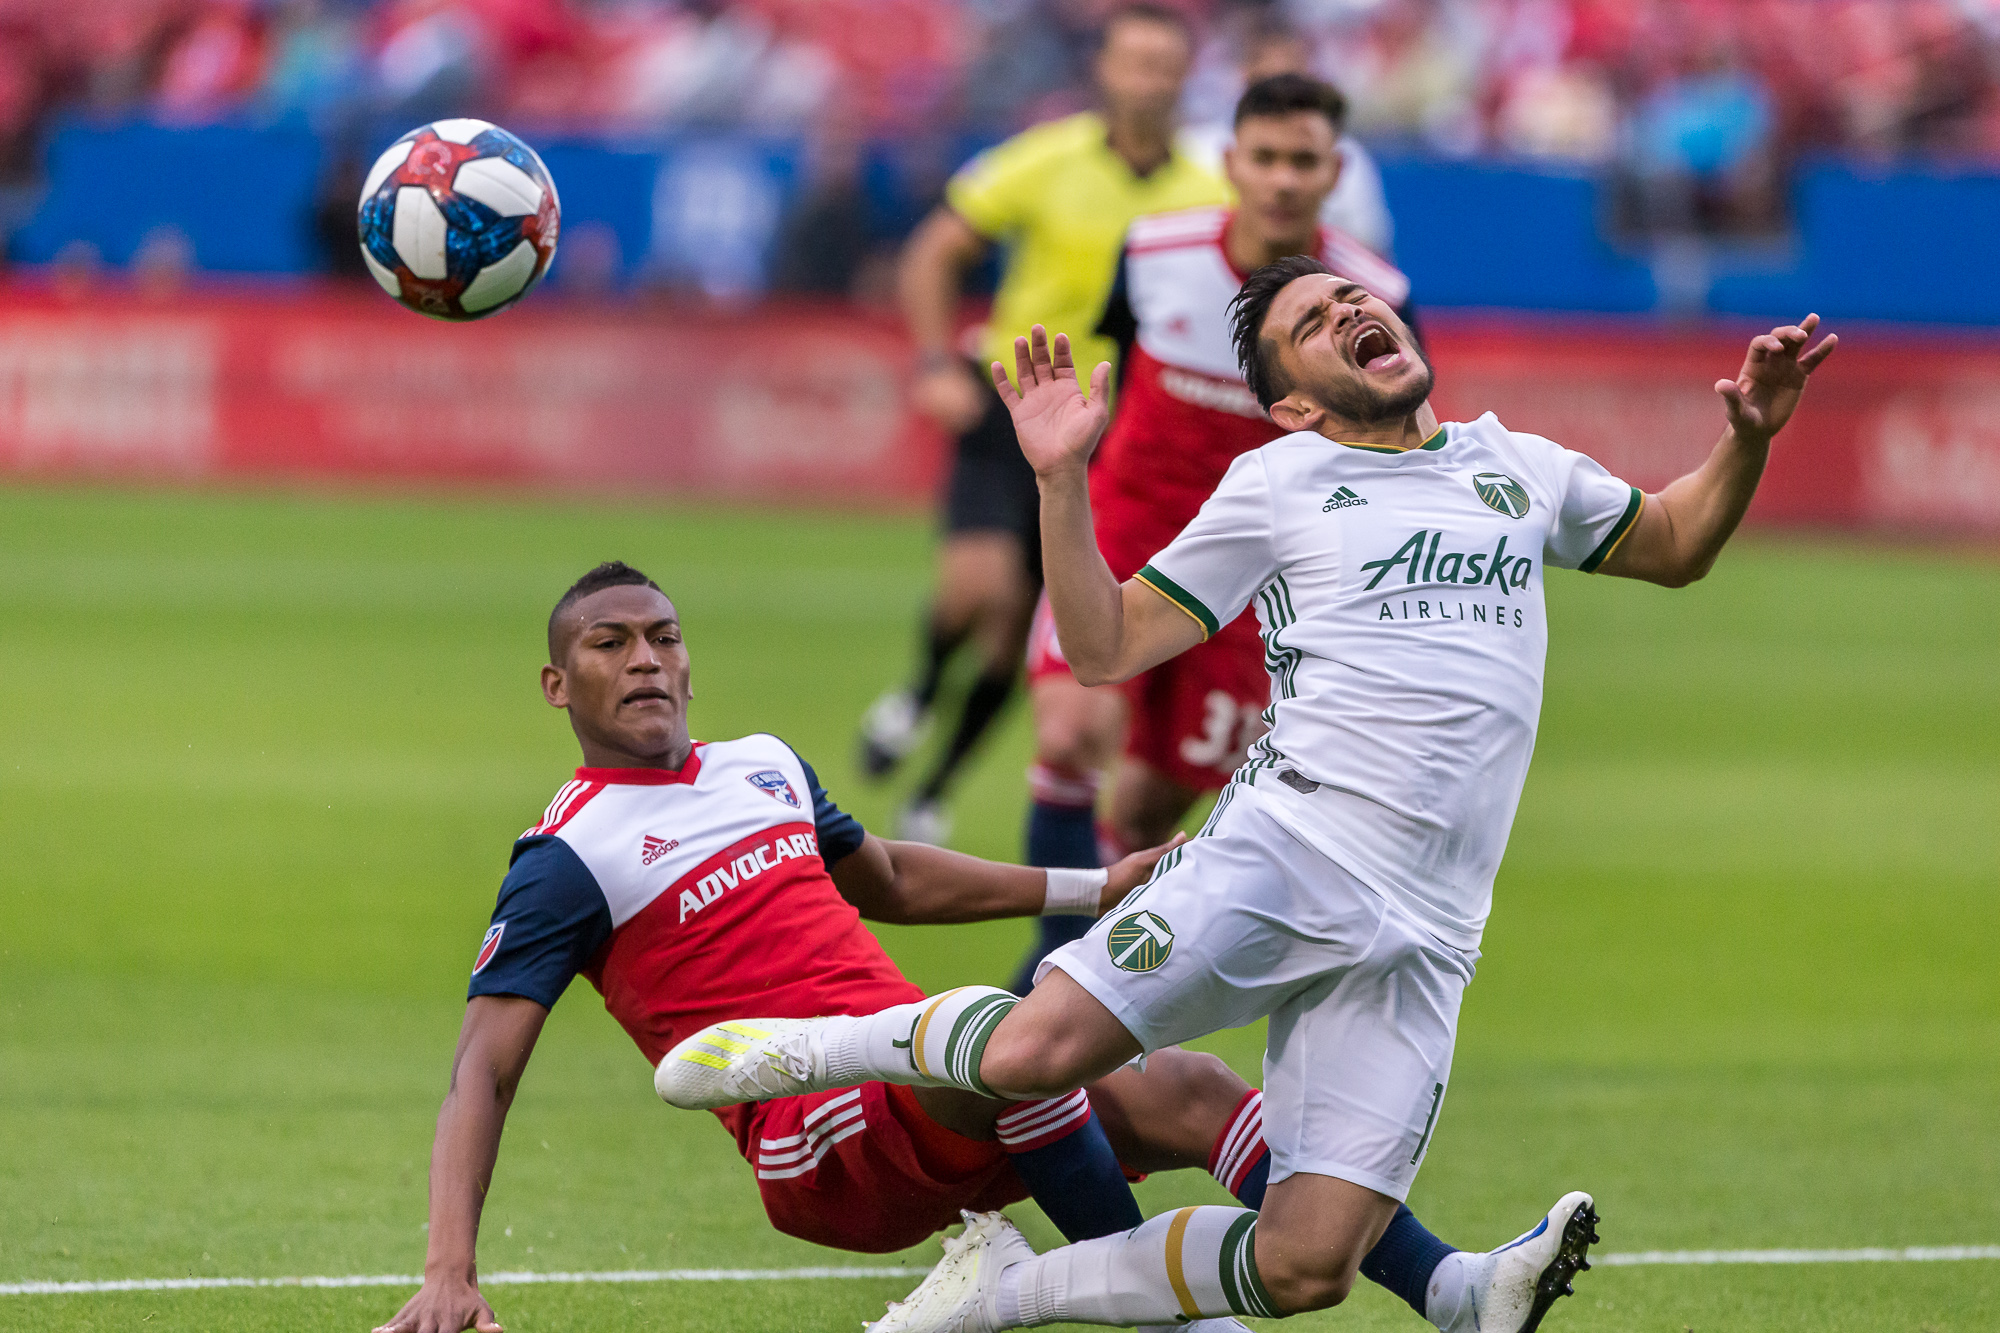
935 1042
1059 1150
1189 1264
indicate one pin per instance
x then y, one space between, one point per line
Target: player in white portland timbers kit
1342 883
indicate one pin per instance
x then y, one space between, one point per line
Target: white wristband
1074 892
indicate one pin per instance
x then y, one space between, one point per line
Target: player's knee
1026 1061
1202 1091
1299 1280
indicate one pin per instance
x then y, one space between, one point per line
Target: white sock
1193 1263
932 1043
1448 1298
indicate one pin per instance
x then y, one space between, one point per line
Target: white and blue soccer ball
459 219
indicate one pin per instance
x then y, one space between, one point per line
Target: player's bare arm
937 254
1110 631
1681 530
912 883
494 1044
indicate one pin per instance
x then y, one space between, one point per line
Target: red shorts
865 1169
1193 716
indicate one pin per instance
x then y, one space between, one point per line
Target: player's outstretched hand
1764 393
1132 871
1056 425
444 1307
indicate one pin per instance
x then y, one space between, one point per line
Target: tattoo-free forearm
1703 508
462 1158
934 886
927 281
1084 595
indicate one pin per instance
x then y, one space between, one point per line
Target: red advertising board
805 404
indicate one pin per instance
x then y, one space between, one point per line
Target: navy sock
1058 835
1404 1259
1058 1149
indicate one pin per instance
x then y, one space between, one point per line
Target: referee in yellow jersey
1057 198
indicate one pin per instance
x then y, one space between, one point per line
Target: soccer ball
459 219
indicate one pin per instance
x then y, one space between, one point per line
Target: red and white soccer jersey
692 897
1183 416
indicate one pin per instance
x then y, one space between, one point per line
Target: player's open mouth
1375 348
646 695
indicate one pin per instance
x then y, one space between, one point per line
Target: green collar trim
1434 443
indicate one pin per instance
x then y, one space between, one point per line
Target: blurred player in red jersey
692 883
1183 415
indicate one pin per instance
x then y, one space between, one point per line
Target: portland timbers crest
1141 942
1501 492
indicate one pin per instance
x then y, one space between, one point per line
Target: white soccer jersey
1400 599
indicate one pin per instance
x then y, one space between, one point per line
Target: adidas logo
1341 499
655 848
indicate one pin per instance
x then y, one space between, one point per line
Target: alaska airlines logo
1501 493
743 869
1421 563
773 784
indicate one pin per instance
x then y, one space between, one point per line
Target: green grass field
262 758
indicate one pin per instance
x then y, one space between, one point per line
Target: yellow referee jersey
1059 200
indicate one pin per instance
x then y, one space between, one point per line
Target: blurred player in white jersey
1357 204
1183 416
1342 885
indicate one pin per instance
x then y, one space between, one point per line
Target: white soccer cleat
1223 1325
1510 1289
890 729
962 1294
926 822
744 1060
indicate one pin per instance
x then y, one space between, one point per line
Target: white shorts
1247 921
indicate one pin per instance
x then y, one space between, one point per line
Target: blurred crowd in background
1696 108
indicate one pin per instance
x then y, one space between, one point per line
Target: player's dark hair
1256 354
1289 94
1147 11
610 574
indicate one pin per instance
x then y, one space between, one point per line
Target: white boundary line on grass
1912 1254
486 1280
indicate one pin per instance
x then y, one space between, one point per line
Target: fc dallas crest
774 785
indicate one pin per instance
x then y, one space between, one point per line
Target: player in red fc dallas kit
696 883
1183 415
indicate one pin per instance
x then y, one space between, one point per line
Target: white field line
1914 1254
1911 1254
485 1280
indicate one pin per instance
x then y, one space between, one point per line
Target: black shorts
991 487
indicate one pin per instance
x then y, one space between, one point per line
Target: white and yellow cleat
744 1060
962 1294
